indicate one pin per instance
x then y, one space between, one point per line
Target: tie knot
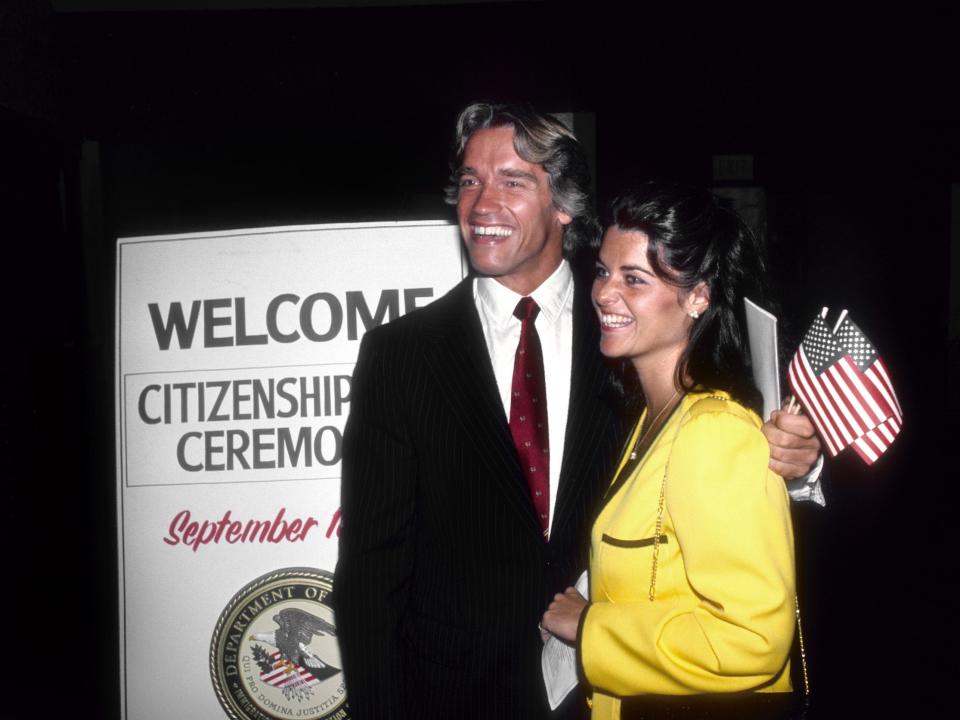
526 309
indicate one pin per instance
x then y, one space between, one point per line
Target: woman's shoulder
719 438
715 410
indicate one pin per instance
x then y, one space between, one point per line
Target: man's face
505 209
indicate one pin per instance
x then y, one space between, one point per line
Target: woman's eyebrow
635 268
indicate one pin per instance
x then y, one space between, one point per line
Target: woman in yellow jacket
691 561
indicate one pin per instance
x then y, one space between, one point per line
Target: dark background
172 119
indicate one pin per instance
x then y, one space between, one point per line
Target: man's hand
794 445
562 618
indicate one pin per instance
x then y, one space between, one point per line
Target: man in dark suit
451 547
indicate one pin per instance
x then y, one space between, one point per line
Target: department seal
274 654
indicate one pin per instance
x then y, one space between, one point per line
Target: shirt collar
499 301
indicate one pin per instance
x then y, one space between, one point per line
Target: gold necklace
650 428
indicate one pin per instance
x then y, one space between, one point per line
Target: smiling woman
677 249
643 317
692 504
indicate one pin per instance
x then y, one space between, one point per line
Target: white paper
558 660
762 331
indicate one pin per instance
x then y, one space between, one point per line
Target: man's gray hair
541 140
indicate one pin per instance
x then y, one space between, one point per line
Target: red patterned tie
528 411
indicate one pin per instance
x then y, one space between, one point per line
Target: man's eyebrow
503 172
518 174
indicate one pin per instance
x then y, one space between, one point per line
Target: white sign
234 356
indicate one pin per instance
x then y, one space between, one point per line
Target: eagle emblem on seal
292 666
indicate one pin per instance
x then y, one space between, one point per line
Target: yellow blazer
722 618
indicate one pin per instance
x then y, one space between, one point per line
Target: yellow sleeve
730 626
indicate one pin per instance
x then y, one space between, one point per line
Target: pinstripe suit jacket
443 573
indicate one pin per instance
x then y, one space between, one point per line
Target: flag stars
856 344
821 346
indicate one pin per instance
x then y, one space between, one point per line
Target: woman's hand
562 618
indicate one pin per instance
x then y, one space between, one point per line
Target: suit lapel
461 364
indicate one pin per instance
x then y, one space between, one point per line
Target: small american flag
843 385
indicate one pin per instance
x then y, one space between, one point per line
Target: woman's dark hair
692 238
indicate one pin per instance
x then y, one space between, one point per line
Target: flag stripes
814 399
873 443
871 406
877 374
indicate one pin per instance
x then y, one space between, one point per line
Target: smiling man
510 225
478 441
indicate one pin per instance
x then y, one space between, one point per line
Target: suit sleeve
733 633
375 562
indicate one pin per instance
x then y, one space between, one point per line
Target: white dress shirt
501 331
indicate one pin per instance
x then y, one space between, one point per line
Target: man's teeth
492 230
615 320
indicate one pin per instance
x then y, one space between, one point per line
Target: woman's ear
698 300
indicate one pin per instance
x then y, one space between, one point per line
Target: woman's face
642 317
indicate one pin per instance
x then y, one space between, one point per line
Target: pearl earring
694 314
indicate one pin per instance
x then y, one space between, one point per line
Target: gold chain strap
656 535
661 503
803 650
